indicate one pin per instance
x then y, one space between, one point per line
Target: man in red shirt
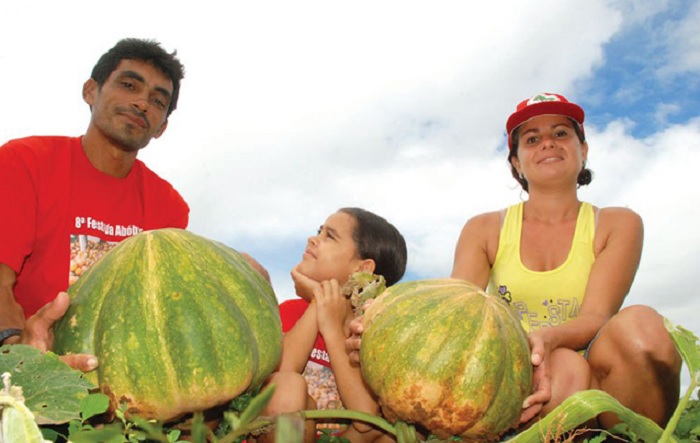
67 200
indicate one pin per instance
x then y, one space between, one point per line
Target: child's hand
303 285
332 308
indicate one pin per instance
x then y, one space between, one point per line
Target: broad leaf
52 390
687 345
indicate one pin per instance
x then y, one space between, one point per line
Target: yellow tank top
546 298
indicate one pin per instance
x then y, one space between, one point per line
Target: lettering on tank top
554 311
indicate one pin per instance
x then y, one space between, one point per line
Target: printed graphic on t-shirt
116 230
323 389
85 251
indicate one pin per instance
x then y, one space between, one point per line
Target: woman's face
332 252
548 147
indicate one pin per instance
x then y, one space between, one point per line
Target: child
315 371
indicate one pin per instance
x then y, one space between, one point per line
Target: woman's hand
354 341
303 285
332 308
541 381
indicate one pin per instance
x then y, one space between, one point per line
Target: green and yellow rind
445 355
179 323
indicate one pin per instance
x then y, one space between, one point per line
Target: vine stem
673 422
351 415
263 422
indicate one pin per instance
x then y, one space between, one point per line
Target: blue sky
635 78
291 110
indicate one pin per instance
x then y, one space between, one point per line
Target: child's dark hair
379 240
144 50
585 176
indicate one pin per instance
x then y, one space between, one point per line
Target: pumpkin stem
361 287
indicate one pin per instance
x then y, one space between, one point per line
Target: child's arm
332 310
299 340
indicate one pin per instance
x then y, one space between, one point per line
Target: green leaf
112 433
94 404
174 435
688 346
256 405
583 406
199 429
52 389
51 434
16 421
290 429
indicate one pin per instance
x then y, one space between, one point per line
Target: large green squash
178 322
445 355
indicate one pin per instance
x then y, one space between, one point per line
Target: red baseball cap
543 104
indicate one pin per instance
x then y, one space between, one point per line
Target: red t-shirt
59 214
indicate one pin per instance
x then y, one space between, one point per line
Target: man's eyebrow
136 76
132 74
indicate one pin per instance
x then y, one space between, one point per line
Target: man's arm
11 314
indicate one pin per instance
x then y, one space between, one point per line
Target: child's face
332 252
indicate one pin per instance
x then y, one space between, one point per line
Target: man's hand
257 266
38 332
11 313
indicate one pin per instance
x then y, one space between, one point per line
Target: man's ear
367 265
90 88
161 130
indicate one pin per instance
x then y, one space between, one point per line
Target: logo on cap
539 98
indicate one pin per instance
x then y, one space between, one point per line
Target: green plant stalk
255 425
263 422
687 345
676 417
574 411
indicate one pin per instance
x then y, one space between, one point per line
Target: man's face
131 106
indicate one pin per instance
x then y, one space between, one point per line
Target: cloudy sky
291 110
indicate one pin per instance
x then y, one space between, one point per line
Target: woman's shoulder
620 225
487 219
484 227
617 216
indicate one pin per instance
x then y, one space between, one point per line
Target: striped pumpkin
445 355
179 323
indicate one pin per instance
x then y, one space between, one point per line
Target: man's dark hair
377 239
144 50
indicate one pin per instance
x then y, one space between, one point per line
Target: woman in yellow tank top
567 268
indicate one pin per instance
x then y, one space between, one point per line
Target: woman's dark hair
585 176
379 240
144 50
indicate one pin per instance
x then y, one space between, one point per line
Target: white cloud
292 110
683 43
